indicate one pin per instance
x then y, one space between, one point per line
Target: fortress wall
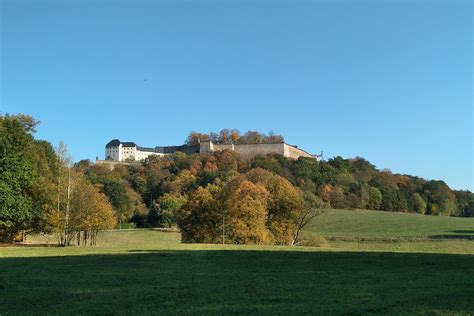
295 153
251 150
223 146
206 147
110 164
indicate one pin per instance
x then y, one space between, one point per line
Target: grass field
376 224
148 271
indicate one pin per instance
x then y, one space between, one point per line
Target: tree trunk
66 228
58 211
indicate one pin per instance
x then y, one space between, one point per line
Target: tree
226 160
284 203
313 207
184 183
225 136
273 138
154 218
171 207
16 178
441 200
118 197
195 138
283 210
465 203
418 204
28 122
202 218
82 212
375 198
336 196
247 214
90 212
251 137
44 189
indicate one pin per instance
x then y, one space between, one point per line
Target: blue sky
390 81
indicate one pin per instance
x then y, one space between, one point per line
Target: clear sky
390 81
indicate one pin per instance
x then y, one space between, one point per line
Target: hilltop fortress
118 151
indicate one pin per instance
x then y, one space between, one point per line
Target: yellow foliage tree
247 214
201 222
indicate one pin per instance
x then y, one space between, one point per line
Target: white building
120 151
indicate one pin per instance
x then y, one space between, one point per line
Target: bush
314 241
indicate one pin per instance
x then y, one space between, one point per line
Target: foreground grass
148 271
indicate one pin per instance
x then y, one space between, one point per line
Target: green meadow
368 263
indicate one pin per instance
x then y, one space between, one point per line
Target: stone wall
252 150
247 151
295 153
110 164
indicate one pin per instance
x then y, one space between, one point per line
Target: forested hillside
216 197
160 188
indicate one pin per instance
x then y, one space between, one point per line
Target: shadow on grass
456 237
456 234
35 245
238 282
463 231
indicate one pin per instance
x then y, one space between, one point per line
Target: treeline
41 192
217 197
233 136
357 184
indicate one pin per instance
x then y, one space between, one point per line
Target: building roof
149 149
113 143
116 143
129 144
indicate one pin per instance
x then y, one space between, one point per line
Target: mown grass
151 272
377 224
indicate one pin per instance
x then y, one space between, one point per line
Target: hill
374 224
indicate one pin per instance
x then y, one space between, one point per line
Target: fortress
118 151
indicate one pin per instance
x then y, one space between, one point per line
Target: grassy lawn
148 271
380 225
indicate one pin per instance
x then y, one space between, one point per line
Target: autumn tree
82 211
195 138
247 214
285 202
91 212
202 217
283 210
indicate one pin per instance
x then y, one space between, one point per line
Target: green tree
117 194
313 207
417 203
375 198
16 178
155 218
171 207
